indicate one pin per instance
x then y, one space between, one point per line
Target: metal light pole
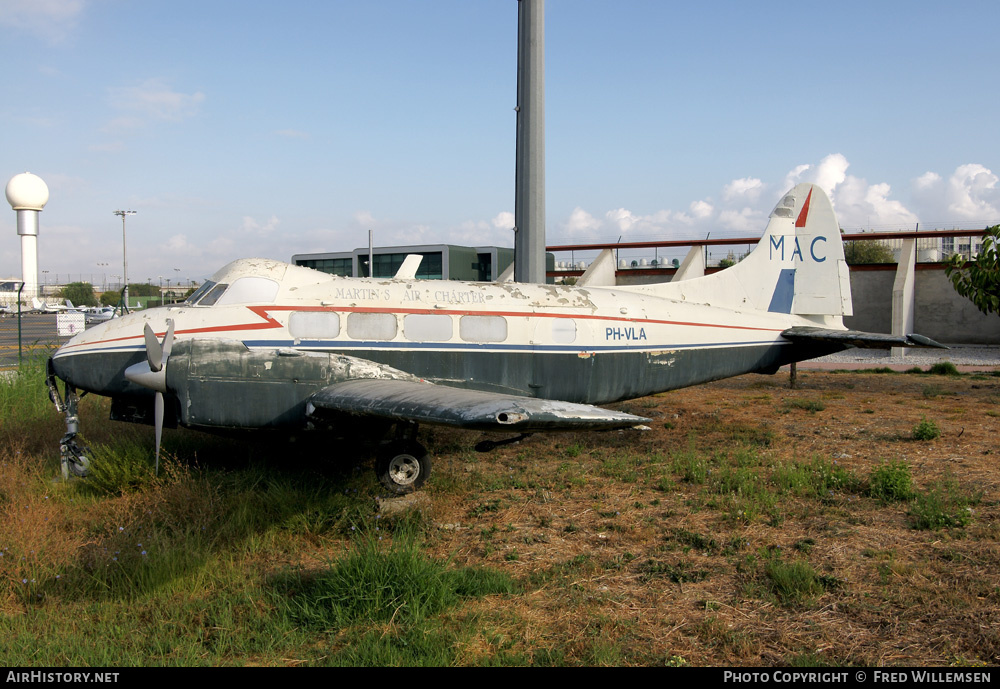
529 182
124 257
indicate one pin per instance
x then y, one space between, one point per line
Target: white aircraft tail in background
41 307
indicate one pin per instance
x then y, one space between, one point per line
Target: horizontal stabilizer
857 338
404 400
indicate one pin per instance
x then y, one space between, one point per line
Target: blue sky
239 128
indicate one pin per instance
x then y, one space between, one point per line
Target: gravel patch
960 355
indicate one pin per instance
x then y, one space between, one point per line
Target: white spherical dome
27 192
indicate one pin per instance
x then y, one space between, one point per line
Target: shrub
926 430
944 505
811 406
944 368
793 582
891 482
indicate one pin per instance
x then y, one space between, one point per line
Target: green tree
111 298
979 280
867 251
80 293
140 289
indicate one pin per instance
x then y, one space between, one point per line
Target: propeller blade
168 340
154 352
158 419
157 352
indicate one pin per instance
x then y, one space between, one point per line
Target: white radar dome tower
27 194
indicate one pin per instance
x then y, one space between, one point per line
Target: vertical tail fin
798 266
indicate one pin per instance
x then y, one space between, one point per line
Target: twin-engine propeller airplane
267 345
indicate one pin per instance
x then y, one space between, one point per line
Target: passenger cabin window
563 330
313 325
371 326
249 290
427 327
483 328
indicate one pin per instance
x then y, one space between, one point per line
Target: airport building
440 262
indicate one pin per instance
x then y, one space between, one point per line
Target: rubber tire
79 465
402 467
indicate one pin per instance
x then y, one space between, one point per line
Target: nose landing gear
73 456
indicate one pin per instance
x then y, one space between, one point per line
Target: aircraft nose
61 368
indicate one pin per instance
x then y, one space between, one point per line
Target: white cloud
622 219
151 101
927 181
52 20
862 205
743 221
364 218
581 221
973 193
504 220
830 172
747 189
745 204
701 209
251 226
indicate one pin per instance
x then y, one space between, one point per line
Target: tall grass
197 565
383 579
226 559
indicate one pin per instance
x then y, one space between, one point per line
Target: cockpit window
200 292
213 294
249 290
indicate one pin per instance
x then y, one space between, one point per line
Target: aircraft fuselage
592 346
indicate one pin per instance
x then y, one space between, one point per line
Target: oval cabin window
371 326
313 325
483 328
427 327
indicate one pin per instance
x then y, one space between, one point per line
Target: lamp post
124 256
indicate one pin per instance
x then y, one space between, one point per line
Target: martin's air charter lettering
267 345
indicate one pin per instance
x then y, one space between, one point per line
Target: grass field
851 521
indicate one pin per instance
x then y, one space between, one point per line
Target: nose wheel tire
402 467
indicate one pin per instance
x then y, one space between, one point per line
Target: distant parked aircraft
42 307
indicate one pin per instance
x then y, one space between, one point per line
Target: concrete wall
948 317
871 294
939 313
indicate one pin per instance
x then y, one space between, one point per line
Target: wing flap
404 400
858 338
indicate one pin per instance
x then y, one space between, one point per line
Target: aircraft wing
857 338
405 400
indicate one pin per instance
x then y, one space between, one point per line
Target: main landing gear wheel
402 467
